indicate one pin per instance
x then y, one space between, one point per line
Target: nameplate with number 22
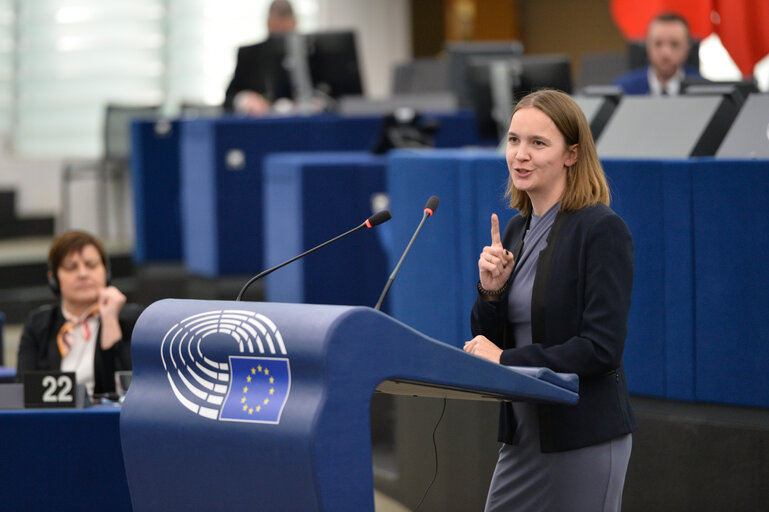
49 389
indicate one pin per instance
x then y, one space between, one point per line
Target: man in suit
667 46
257 81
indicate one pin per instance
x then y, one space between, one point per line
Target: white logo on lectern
249 383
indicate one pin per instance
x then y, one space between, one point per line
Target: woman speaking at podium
554 291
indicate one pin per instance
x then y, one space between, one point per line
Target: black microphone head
432 205
378 218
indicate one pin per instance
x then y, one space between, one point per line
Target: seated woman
89 330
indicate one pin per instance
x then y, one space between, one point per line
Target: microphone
376 219
430 207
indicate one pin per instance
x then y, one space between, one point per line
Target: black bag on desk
405 128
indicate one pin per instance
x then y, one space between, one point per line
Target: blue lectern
245 405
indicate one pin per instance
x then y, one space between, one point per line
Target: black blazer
579 309
38 349
259 68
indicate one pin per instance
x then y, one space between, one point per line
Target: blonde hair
585 180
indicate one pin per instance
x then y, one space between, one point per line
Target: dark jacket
38 349
637 81
579 309
259 68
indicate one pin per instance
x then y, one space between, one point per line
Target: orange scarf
62 338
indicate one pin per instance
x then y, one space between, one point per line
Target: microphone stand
372 221
432 205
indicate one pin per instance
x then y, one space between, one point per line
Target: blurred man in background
667 46
257 83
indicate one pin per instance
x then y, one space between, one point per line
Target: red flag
742 25
744 31
633 17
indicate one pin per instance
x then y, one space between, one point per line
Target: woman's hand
495 263
481 346
111 301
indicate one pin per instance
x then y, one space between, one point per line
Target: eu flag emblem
259 388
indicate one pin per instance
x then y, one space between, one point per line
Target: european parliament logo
208 366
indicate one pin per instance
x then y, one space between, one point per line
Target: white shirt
79 358
672 86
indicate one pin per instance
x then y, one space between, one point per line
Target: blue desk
62 460
222 214
310 198
697 328
159 156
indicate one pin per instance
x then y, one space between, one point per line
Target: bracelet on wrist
491 293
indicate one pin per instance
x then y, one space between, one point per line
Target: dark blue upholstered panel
310 198
634 186
731 229
436 285
63 460
155 181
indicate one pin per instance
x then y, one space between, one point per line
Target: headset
53 280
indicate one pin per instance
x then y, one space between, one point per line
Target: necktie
62 338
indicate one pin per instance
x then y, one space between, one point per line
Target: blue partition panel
199 197
247 405
310 198
222 226
731 228
679 281
155 181
436 285
653 197
62 460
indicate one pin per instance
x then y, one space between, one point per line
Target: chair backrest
461 53
117 129
601 68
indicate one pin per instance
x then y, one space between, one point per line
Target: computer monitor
701 85
333 61
525 74
461 53
544 71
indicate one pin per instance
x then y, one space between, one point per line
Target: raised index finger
495 239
